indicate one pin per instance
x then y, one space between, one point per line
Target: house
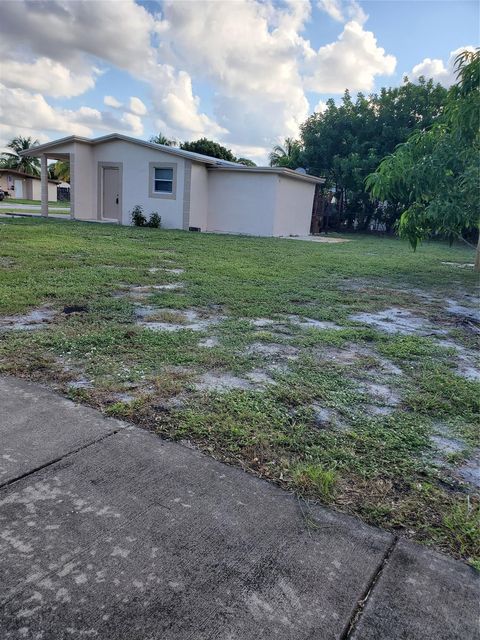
22 185
112 174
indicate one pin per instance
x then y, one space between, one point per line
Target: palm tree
161 139
287 155
27 164
61 170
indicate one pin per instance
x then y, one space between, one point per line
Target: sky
245 73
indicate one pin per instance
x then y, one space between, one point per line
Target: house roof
212 163
22 174
197 157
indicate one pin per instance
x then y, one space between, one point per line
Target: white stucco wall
241 202
37 190
293 207
135 189
199 197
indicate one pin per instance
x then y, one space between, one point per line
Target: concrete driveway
107 531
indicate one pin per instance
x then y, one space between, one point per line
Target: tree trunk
477 255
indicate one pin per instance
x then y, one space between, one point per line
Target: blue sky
244 72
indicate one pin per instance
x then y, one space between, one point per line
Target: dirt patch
272 350
447 445
184 319
222 382
470 471
323 239
310 323
396 320
326 418
381 393
177 271
260 377
209 343
466 361
460 265
6 263
462 311
31 321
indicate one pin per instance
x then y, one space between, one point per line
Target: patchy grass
342 412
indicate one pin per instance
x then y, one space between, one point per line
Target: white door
111 193
18 188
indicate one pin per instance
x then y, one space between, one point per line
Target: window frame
151 180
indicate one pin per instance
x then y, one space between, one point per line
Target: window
163 180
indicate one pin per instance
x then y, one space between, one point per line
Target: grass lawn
62 204
344 372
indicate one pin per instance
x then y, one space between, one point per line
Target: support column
44 185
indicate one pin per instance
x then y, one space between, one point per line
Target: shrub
137 216
155 220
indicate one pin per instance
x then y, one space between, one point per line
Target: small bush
138 217
155 220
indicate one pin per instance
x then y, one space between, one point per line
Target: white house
112 174
19 184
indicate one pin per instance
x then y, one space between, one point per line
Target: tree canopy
27 164
209 148
345 143
435 173
161 139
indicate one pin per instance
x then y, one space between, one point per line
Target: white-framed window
163 180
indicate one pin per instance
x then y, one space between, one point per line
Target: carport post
44 185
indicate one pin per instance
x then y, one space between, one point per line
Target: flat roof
283 171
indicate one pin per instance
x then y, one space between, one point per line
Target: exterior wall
34 187
293 207
199 197
31 188
241 203
135 162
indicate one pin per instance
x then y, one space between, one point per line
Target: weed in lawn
313 477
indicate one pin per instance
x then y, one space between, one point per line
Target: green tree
246 162
161 139
346 142
435 173
288 155
209 148
61 170
27 164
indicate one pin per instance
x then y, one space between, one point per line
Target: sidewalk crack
361 604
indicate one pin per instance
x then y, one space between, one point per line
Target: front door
18 188
111 193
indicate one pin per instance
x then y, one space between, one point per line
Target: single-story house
22 185
112 174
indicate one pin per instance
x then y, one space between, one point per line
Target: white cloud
343 10
436 68
47 76
351 62
320 107
37 115
137 107
250 55
110 101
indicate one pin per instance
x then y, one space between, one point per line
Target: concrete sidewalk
107 531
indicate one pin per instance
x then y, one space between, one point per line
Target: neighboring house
22 185
112 174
